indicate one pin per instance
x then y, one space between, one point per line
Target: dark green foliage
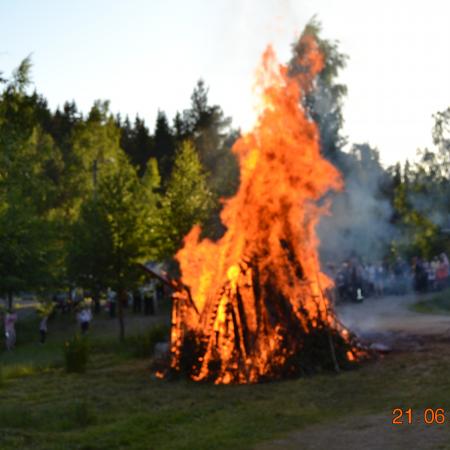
420 196
88 253
164 146
66 189
21 76
210 131
74 210
136 142
213 138
22 249
29 163
324 103
76 354
115 231
188 200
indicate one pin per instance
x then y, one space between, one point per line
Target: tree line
85 198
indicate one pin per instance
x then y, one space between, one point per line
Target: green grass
30 357
119 404
438 303
123 406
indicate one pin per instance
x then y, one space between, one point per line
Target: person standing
444 268
43 329
112 299
10 330
84 318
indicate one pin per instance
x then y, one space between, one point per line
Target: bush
76 352
142 345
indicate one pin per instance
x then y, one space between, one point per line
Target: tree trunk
10 300
120 301
69 303
96 299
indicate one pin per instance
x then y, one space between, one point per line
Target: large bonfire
255 306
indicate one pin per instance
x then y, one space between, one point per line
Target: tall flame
257 289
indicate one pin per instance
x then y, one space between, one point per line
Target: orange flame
262 279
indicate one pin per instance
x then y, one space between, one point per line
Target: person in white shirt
84 318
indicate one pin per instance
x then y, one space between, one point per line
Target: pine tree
136 142
164 146
324 102
188 200
210 131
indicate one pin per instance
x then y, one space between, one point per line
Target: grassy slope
118 404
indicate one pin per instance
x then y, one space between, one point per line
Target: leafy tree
87 152
188 199
113 234
24 249
28 190
325 100
421 199
441 140
17 113
96 150
419 235
87 255
210 132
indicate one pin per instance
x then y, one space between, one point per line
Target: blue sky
147 55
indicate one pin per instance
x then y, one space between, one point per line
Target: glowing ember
256 308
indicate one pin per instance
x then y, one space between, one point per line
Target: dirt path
374 432
392 314
390 321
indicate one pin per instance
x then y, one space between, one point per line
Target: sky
148 55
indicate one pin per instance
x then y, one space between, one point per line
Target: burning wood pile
256 307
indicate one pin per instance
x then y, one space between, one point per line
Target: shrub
143 344
76 352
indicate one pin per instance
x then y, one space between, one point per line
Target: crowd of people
355 281
10 318
144 300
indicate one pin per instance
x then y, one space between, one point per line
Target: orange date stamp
428 416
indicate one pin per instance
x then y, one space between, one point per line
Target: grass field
119 404
438 303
